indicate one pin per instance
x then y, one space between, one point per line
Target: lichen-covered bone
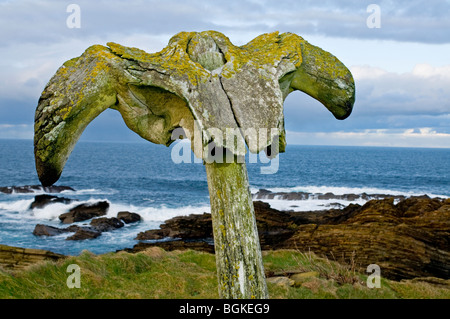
199 77
199 81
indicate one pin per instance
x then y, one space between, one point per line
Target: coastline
408 236
308 254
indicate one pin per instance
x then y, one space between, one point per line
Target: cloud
422 137
397 102
27 67
422 91
427 71
16 131
29 21
36 41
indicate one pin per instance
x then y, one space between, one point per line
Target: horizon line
288 144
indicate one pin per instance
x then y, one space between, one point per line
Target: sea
144 178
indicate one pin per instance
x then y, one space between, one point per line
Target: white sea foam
18 210
90 191
309 205
342 190
16 206
51 211
157 214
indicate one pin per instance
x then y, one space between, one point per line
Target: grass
156 273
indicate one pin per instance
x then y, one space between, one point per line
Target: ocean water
142 178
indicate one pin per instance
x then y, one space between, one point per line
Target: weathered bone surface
199 79
202 83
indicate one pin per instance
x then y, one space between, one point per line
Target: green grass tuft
156 273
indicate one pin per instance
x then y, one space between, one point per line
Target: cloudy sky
401 70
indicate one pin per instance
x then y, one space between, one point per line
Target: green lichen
173 59
325 78
265 50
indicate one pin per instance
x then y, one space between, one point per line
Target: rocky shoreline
407 240
79 213
406 237
266 194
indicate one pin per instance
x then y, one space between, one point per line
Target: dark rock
72 228
40 201
415 206
187 227
328 216
326 196
175 245
274 226
95 229
266 194
128 217
84 212
34 189
84 233
153 234
106 224
44 230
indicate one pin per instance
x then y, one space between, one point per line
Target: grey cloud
383 100
35 32
45 21
395 94
412 21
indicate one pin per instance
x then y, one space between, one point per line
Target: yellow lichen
222 229
266 50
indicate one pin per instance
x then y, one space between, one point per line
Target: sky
399 58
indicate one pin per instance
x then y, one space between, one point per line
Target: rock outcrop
16 258
186 227
40 201
84 212
106 224
80 232
79 213
34 189
83 233
407 240
45 230
94 230
266 194
198 245
128 217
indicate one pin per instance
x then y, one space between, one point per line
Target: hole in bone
268 151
